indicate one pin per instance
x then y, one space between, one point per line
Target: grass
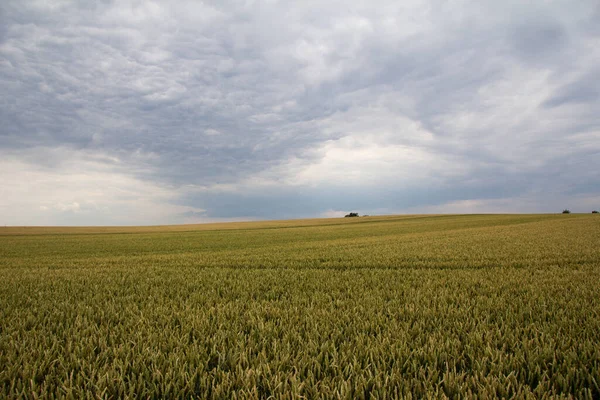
371 307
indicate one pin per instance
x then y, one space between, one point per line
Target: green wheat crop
450 306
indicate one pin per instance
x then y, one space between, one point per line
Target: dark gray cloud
228 109
584 90
539 41
285 203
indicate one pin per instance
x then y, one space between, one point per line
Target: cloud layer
147 112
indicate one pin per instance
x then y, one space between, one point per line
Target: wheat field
438 306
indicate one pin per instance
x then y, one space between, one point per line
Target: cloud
231 109
583 90
80 188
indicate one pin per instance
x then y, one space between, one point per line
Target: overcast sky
157 112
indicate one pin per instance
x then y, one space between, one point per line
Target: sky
167 112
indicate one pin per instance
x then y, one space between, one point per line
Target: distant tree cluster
565 211
352 214
595 212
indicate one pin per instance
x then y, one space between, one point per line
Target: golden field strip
372 307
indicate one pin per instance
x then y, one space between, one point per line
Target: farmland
369 307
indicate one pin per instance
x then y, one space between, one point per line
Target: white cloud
527 203
333 214
211 132
83 190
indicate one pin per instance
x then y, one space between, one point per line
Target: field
371 307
